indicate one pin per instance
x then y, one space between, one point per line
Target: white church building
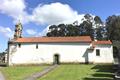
56 50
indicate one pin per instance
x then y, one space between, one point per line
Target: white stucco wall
68 52
106 54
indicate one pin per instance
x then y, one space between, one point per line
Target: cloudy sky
36 15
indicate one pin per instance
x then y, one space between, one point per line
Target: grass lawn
20 72
80 72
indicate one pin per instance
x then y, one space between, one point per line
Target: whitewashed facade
60 50
106 54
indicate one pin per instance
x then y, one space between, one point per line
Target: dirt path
1 76
40 74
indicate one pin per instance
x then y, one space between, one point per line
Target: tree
104 33
100 31
52 31
88 17
61 30
86 28
72 30
113 27
98 20
98 34
57 30
89 27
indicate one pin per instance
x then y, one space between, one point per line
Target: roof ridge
55 39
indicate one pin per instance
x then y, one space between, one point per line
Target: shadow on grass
3 64
102 75
97 79
103 68
103 72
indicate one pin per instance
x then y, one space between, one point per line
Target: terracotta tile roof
102 42
53 39
94 43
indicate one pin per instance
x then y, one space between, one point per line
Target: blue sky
36 15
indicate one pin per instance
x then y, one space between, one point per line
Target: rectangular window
97 52
19 45
36 46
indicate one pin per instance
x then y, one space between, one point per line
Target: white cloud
6 31
12 7
54 13
15 9
31 32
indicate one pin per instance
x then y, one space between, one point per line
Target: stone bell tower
18 30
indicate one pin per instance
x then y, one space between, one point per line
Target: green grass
20 72
80 72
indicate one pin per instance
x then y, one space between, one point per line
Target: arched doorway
56 59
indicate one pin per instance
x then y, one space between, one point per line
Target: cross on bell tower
18 30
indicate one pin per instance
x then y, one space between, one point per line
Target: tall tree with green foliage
72 30
113 27
100 31
98 20
86 28
91 26
52 31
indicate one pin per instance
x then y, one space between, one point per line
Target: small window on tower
19 45
97 52
36 46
